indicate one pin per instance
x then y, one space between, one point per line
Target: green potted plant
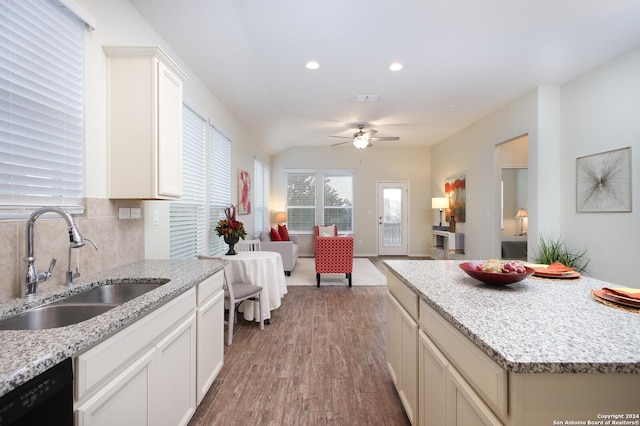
553 249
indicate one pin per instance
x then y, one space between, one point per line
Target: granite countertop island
534 326
25 354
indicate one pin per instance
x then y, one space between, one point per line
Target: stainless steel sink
117 293
79 307
54 315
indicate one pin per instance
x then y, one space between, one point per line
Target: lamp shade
440 203
280 217
521 213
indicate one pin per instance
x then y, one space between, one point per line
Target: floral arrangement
230 227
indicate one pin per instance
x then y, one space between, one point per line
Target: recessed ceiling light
312 65
396 66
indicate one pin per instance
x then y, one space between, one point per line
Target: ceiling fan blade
340 143
388 138
370 133
342 137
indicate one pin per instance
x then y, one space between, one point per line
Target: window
187 228
337 199
219 184
301 200
41 107
261 190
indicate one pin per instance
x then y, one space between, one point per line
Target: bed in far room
514 247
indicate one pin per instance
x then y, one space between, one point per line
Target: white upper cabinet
144 123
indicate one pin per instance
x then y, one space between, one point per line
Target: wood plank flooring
321 361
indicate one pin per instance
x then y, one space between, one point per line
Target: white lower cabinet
402 353
125 400
445 397
210 340
156 370
176 375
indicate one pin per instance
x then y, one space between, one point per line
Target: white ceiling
462 59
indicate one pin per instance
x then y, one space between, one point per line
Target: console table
446 245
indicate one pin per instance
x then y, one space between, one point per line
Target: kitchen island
533 352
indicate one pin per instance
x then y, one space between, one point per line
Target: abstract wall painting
244 192
603 182
455 189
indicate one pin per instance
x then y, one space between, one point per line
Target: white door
393 218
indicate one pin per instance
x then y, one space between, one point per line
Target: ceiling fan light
361 142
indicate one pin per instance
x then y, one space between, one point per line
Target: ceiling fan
362 139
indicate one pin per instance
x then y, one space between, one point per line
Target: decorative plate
494 278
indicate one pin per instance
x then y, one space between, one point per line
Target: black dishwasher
44 400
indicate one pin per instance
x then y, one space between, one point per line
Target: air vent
365 98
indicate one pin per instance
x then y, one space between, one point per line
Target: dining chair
248 245
236 292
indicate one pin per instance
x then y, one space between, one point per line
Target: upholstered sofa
288 249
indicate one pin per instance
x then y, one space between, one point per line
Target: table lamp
280 217
440 203
522 214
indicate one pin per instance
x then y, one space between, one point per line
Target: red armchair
334 255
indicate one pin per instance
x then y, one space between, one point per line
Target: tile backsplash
119 242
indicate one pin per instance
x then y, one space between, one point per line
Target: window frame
291 222
328 173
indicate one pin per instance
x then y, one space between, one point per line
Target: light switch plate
136 213
124 213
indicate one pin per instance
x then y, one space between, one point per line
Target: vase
231 241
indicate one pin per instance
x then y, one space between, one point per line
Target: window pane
219 185
41 104
301 200
338 199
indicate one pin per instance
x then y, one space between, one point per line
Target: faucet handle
43 276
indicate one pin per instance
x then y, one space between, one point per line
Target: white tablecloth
262 268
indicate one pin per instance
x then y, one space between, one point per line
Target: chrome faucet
31 277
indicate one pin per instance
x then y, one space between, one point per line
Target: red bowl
493 277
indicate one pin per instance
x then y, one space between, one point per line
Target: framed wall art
455 189
603 182
244 192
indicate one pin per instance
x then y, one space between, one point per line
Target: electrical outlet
136 213
124 213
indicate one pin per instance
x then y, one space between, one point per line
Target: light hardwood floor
321 361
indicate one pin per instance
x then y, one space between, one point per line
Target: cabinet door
409 382
432 379
176 375
127 400
394 339
466 408
210 351
169 132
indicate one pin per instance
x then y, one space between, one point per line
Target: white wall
601 112
595 113
371 165
119 23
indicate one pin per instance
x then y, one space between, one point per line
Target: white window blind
338 199
187 227
41 107
261 203
219 184
301 200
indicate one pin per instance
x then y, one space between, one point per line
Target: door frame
406 219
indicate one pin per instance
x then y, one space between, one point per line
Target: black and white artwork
604 182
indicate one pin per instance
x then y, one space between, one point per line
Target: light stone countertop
25 354
534 326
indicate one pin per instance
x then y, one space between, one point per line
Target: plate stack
556 271
620 296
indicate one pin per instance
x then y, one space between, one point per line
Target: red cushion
275 236
284 234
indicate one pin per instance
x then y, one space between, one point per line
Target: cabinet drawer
209 287
407 297
486 377
98 363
